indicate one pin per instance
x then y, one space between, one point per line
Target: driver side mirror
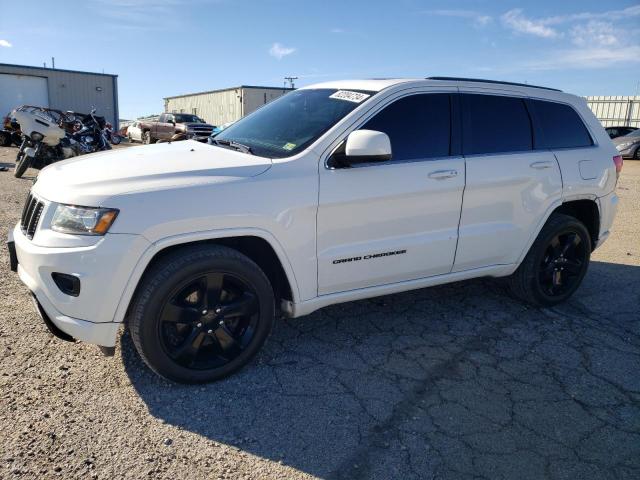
362 146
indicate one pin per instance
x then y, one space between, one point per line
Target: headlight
36 137
83 220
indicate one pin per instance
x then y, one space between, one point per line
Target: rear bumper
608 206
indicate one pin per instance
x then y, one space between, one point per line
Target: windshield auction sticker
350 96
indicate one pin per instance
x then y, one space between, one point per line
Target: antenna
290 80
53 62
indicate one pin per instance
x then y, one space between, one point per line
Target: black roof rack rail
462 79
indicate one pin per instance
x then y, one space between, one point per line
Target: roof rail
462 79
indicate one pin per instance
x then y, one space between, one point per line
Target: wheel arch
259 246
584 208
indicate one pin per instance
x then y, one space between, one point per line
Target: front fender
187 238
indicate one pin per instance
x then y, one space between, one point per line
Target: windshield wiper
235 145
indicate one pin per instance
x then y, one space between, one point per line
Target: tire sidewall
149 311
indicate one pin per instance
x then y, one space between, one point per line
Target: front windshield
294 121
186 118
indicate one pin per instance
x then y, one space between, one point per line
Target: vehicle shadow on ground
457 380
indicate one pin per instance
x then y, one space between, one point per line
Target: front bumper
103 270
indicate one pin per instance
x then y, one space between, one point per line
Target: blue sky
169 47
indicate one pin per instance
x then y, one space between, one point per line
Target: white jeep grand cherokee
332 193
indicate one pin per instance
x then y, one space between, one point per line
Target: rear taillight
617 161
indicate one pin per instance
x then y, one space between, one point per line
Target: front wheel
115 139
146 138
201 313
22 163
556 263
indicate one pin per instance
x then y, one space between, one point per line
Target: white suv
332 193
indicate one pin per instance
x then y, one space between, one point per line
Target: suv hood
91 179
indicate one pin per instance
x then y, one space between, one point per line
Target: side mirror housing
362 146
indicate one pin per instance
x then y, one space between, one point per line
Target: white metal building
59 89
218 107
616 110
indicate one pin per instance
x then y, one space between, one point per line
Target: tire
115 139
130 139
22 163
198 344
146 138
530 282
5 139
636 155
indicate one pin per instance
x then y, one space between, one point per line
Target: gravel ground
457 381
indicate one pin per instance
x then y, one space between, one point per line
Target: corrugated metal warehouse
218 107
616 110
59 89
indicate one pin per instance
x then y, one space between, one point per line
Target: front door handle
442 174
541 165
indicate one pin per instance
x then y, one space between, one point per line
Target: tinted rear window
560 126
493 124
419 126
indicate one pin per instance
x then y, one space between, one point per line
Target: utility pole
53 62
290 80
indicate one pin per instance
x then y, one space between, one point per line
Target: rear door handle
541 165
442 174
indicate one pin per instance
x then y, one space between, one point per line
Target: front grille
201 130
30 216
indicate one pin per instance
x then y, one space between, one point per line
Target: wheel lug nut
218 310
221 322
209 331
199 325
204 312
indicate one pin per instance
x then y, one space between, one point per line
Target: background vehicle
629 145
134 133
171 124
615 132
331 193
51 135
113 137
217 130
10 132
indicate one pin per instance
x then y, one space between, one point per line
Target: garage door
16 90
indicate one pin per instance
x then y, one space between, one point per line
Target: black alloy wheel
200 313
563 264
209 320
556 263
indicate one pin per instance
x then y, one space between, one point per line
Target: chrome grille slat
31 216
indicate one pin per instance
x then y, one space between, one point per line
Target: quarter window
494 124
419 126
560 126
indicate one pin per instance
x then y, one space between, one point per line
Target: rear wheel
201 313
146 138
556 263
5 139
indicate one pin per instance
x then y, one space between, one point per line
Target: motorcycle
113 137
50 135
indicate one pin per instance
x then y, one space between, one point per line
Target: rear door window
495 124
419 126
560 126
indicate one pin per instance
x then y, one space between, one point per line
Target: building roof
229 88
55 70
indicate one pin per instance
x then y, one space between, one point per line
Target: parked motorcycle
50 135
113 137
10 132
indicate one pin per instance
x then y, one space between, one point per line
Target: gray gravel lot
457 381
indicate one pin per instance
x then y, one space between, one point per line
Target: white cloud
595 33
337 30
5 43
478 18
279 51
516 21
586 58
628 12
